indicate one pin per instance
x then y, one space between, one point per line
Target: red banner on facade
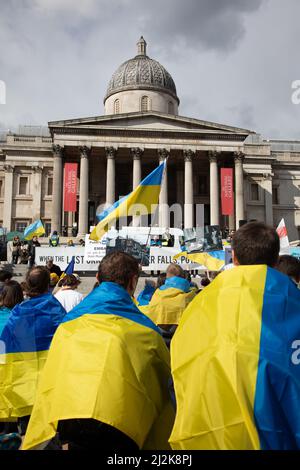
227 191
70 187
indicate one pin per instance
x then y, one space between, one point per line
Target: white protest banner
94 251
160 258
62 255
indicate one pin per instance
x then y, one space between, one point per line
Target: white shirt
68 298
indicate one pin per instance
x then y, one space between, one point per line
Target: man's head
174 270
37 281
49 263
255 243
120 268
5 275
290 266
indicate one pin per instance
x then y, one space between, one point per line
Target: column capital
8 168
188 155
57 150
84 151
111 152
136 153
163 154
37 169
239 157
213 156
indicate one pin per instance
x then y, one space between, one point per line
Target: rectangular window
254 192
49 186
23 185
203 186
1 188
275 193
47 226
20 226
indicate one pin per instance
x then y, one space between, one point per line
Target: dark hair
205 282
37 281
118 267
290 266
5 275
11 294
68 280
175 270
256 243
161 279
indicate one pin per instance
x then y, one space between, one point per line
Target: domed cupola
141 84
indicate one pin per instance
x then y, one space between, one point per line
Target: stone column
239 188
214 189
57 188
8 196
37 192
136 154
188 189
110 175
84 192
163 197
268 190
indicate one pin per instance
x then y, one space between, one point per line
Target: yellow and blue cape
145 295
143 200
235 368
25 341
169 301
107 362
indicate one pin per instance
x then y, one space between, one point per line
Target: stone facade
116 150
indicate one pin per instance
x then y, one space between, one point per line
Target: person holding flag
143 199
26 338
235 355
105 383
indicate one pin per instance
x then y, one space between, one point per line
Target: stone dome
141 73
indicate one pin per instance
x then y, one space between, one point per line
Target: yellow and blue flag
169 301
34 230
235 364
107 362
145 295
25 341
212 260
142 200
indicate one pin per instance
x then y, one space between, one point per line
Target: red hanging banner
227 191
70 187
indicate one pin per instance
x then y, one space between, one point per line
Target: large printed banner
227 191
70 187
89 259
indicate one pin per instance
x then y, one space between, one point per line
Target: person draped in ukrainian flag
171 299
25 341
235 355
105 385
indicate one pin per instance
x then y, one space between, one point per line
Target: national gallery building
142 126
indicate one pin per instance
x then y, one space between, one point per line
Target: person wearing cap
53 281
67 294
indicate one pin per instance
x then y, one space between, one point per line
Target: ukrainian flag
169 301
143 200
34 230
235 364
212 260
107 362
25 341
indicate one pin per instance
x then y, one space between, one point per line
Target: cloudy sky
233 61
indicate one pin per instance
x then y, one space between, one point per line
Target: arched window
117 107
170 107
145 103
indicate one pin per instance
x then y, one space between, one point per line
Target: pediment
148 121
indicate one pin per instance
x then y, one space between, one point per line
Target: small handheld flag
36 229
70 268
283 236
144 197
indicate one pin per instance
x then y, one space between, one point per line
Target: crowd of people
180 366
